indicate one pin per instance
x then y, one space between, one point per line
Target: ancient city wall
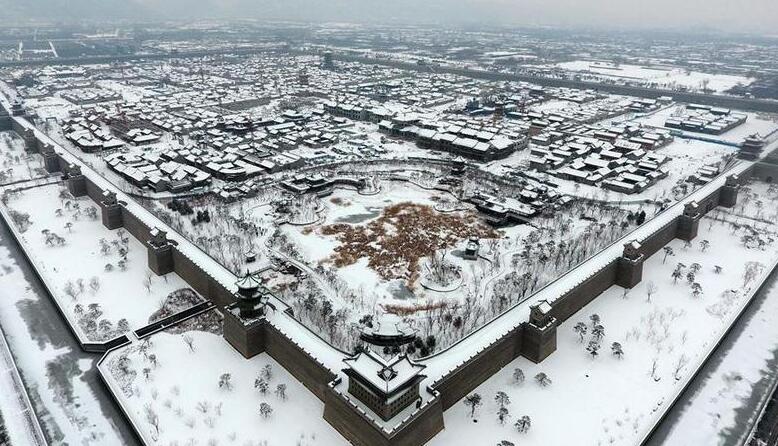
293 357
660 238
355 424
766 171
459 382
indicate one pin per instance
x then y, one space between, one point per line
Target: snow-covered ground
125 290
191 407
715 413
662 77
478 290
17 165
607 400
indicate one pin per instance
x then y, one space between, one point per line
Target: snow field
132 294
183 392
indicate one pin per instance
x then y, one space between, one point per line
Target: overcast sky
759 16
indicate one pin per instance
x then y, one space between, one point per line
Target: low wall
173 319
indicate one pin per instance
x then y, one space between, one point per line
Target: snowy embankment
224 399
664 337
18 418
109 289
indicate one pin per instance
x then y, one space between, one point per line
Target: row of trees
502 400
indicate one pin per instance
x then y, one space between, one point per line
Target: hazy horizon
748 16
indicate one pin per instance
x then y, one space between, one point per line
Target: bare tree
679 365
261 385
653 371
473 402
651 288
518 376
581 329
668 252
281 391
152 418
265 410
617 350
189 341
225 381
543 379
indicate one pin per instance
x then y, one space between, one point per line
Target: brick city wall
766 171
457 384
591 287
360 431
314 375
652 244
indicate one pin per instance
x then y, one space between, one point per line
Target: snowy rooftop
385 375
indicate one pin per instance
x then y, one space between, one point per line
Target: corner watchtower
386 387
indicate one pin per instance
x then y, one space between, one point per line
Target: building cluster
89 134
621 159
91 95
157 173
705 119
502 211
48 80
